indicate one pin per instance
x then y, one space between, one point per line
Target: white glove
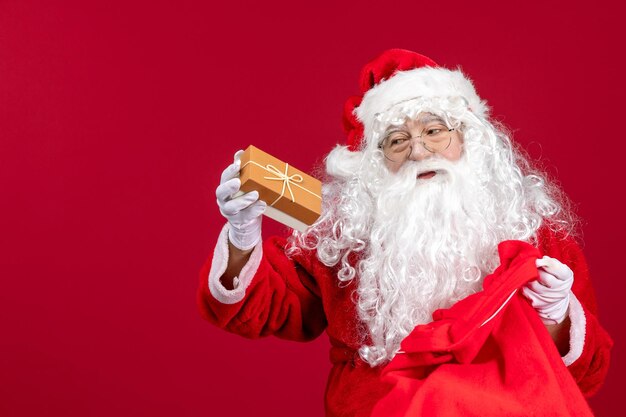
550 293
242 212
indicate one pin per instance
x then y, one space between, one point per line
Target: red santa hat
396 76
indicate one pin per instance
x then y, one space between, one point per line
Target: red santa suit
299 298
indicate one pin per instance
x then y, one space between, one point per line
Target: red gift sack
488 355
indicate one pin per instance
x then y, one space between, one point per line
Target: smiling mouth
426 175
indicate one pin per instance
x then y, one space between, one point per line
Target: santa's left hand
550 293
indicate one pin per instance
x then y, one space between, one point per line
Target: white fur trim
427 82
218 267
577 330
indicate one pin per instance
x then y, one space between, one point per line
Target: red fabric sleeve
282 300
590 369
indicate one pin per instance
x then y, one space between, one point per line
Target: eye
396 139
434 130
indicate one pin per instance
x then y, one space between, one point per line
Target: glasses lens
397 146
436 138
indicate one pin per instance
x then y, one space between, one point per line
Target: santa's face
418 139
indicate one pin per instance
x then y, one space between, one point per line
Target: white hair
418 245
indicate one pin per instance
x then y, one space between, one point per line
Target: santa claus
414 211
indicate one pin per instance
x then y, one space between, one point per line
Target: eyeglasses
396 146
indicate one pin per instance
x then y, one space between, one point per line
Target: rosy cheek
450 154
457 152
391 167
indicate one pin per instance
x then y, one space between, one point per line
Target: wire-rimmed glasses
397 144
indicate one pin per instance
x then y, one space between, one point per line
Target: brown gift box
293 198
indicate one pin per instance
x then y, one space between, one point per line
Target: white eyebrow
425 118
392 129
428 117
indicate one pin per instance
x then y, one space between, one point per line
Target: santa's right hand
243 212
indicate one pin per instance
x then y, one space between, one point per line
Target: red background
116 119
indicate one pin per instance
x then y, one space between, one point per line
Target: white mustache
441 166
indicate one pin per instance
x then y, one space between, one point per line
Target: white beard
429 247
425 244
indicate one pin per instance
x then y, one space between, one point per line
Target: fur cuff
218 267
576 331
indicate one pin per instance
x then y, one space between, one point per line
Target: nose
418 152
